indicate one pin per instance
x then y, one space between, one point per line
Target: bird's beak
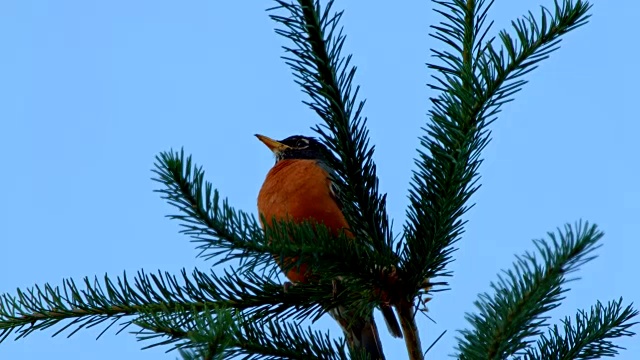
273 145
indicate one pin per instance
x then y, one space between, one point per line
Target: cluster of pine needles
244 312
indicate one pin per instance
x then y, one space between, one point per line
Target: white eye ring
302 143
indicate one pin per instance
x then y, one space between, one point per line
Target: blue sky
90 92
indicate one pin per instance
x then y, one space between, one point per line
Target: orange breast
300 190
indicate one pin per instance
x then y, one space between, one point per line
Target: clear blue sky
91 91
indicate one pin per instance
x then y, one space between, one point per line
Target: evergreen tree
245 313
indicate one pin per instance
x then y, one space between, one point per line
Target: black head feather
303 147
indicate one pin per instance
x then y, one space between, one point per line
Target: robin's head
296 147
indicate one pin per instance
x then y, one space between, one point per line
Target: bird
299 188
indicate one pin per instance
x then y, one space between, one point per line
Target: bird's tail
391 320
361 333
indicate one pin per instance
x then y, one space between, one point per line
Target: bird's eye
302 143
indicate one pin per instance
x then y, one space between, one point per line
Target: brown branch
410 330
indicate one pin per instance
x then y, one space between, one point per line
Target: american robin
299 188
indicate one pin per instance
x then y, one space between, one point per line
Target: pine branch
446 174
508 319
590 336
473 88
535 41
219 228
221 334
113 301
326 77
39 308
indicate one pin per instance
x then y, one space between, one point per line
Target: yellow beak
273 145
